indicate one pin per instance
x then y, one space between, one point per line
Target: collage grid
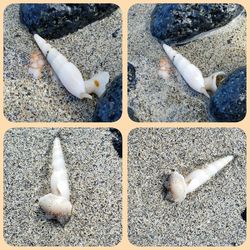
123 204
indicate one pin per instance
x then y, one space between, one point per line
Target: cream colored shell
57 204
178 186
56 207
191 74
69 75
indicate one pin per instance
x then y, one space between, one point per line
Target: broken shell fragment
165 69
56 204
69 75
178 186
191 74
37 62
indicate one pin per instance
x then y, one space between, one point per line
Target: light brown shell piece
37 62
165 68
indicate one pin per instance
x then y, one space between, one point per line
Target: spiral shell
56 204
191 74
69 75
178 186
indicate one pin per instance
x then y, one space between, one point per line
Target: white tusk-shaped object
191 74
178 186
69 75
59 178
56 204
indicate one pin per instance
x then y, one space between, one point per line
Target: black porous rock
132 116
177 24
57 20
244 215
228 104
117 141
131 77
132 86
109 106
165 187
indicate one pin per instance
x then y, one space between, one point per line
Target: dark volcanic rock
57 20
109 106
228 104
131 77
177 23
117 141
132 86
244 215
131 114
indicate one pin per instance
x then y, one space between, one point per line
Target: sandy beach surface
94 171
92 49
210 216
158 100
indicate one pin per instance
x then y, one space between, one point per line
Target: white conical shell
56 204
56 207
178 186
200 176
59 178
68 73
190 73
